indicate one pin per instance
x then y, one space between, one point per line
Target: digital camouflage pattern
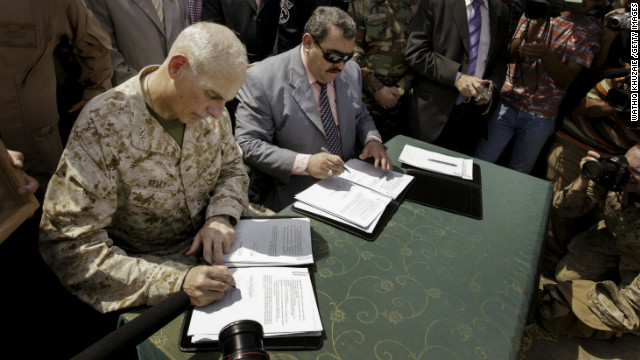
612 243
381 38
382 29
126 200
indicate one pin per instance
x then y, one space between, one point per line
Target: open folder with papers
360 200
280 297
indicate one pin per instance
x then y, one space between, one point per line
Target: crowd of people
194 113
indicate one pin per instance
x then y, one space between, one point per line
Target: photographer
597 294
592 125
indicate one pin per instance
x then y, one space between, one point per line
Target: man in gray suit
141 31
296 105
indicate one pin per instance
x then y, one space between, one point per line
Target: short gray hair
323 17
210 47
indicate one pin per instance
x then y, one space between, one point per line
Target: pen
442 162
323 149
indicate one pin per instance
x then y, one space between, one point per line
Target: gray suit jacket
138 37
437 48
277 118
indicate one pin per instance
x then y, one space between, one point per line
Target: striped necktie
475 25
330 128
157 4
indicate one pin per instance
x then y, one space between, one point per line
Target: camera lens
243 340
591 169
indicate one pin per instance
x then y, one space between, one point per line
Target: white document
282 299
305 207
353 203
433 161
388 183
267 242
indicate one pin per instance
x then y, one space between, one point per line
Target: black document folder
276 343
448 193
372 236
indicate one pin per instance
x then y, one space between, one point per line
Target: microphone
138 329
616 73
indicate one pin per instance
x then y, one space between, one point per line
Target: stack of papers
433 161
271 242
358 197
280 298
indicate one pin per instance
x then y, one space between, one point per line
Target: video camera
619 98
542 9
611 172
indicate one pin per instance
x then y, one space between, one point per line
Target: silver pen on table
323 149
442 162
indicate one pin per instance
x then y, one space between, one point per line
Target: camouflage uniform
30 31
126 200
383 27
611 244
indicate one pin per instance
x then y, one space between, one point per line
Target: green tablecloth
434 285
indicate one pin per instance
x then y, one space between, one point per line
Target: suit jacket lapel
253 4
151 12
461 22
302 92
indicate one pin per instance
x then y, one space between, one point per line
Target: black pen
323 149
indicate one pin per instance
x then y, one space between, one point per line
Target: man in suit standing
452 66
294 104
141 31
255 22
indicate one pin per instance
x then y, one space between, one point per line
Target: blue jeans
528 131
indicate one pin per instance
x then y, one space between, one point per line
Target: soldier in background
30 31
381 39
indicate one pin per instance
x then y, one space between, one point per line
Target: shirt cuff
300 164
371 138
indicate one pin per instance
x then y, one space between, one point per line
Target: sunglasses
333 56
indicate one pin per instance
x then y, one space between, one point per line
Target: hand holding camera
475 88
610 172
618 19
485 95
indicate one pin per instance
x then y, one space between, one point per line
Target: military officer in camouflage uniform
383 27
150 175
598 281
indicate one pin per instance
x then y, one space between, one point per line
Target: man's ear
307 41
176 64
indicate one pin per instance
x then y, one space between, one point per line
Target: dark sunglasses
333 56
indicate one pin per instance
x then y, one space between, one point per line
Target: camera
611 172
542 9
242 340
619 97
486 92
619 21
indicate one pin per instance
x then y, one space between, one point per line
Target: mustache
334 70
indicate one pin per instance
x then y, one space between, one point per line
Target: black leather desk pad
448 193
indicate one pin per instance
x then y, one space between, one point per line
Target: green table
434 285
